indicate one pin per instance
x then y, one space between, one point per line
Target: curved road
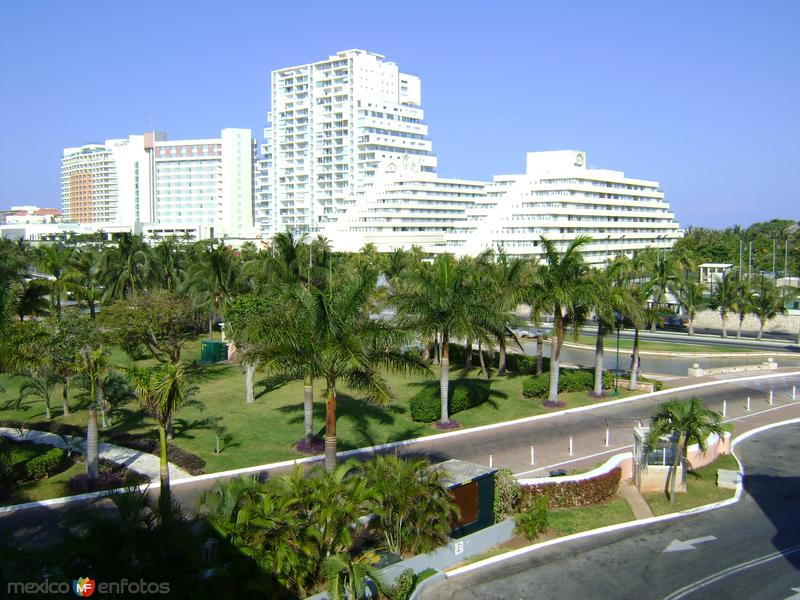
755 552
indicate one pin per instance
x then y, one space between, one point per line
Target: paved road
510 445
661 365
756 553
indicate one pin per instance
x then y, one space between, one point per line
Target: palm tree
167 265
329 333
664 277
743 303
162 392
507 279
609 298
54 261
768 303
722 298
83 279
123 269
687 422
562 286
213 278
30 298
39 384
692 298
441 300
93 362
347 576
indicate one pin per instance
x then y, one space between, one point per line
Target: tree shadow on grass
270 384
198 371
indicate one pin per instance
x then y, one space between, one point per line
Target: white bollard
608 438
570 445
794 392
771 393
748 404
724 408
490 461
533 456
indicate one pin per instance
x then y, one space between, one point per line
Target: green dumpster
213 351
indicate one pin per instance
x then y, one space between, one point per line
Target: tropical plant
123 268
162 392
723 295
414 510
768 303
83 279
54 261
743 303
685 422
664 279
533 520
609 298
39 384
30 298
561 287
443 301
347 576
692 298
212 279
93 362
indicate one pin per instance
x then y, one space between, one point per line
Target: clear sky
702 96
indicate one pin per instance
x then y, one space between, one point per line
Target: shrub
534 520
506 494
568 494
463 394
403 586
187 461
7 479
61 429
45 464
570 380
109 477
524 364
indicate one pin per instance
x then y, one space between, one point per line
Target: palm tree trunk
468 359
169 428
676 463
484 373
539 353
691 326
101 404
308 406
501 365
760 329
164 498
210 326
724 329
555 359
739 331
249 375
330 430
444 380
65 396
598 362
92 310
633 384
92 446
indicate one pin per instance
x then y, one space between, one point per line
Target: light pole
618 325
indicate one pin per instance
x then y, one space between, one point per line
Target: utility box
472 487
652 466
213 351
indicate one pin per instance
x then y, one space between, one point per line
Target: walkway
142 462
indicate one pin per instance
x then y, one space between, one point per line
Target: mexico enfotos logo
84 587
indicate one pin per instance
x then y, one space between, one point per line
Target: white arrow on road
795 596
677 545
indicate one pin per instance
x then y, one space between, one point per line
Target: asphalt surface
510 445
754 553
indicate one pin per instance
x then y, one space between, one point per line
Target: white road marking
678 546
756 562
795 596
566 462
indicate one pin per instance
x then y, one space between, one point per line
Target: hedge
570 380
462 394
110 476
569 494
187 461
525 364
45 464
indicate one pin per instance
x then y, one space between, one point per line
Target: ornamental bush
524 364
506 494
570 380
534 520
568 494
45 464
463 394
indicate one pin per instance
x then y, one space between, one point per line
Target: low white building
710 273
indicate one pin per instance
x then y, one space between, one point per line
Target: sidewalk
142 462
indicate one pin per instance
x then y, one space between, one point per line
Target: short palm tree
54 260
768 303
562 286
347 576
83 279
692 298
686 422
93 362
722 298
663 276
742 303
162 392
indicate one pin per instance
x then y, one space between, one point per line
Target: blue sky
702 96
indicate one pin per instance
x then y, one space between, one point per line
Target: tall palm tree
692 298
213 278
124 267
162 392
441 300
687 422
722 298
29 298
167 265
609 298
330 334
768 303
664 277
641 313
93 362
507 278
561 287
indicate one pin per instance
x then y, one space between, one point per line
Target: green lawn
627 344
55 486
264 432
701 488
573 520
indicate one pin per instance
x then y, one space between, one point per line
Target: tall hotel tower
333 124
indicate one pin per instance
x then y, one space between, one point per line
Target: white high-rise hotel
347 155
333 123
